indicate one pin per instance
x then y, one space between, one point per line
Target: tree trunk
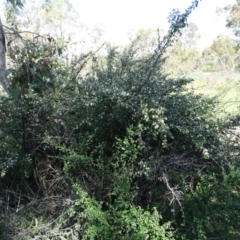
3 78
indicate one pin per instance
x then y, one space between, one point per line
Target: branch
178 21
176 195
3 79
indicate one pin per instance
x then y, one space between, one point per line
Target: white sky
120 17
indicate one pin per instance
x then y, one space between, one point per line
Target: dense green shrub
150 145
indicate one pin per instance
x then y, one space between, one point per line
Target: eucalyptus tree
58 18
233 18
222 55
183 57
4 81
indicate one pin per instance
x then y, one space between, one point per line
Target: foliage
215 204
233 17
43 17
183 57
113 148
17 3
121 221
222 55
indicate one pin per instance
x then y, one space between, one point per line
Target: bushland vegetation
110 146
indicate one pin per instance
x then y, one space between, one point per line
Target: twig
176 195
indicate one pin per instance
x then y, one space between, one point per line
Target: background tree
3 79
57 18
222 55
44 17
3 48
233 18
183 57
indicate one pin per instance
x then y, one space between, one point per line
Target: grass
224 87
